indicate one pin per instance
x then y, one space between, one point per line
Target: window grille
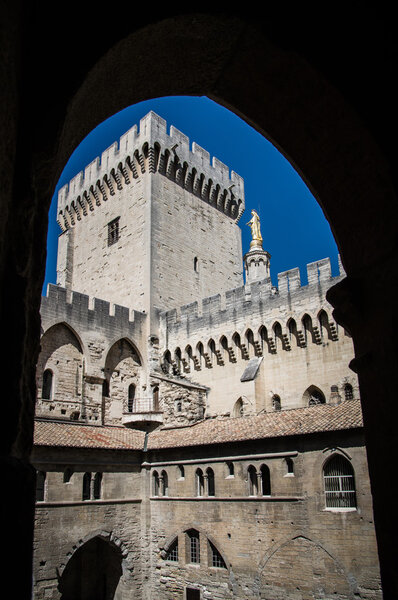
194 546
216 558
113 231
172 552
348 391
339 483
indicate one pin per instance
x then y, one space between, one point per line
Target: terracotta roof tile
312 419
87 436
299 421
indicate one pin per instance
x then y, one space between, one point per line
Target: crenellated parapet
251 320
86 315
151 149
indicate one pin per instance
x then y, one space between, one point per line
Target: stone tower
149 224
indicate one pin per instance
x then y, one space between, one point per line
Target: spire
257 260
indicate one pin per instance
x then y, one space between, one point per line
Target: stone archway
93 572
301 569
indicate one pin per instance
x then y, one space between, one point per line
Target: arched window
97 486
172 551
231 469
155 397
199 482
155 483
265 480
252 480
215 557
211 488
131 397
238 408
307 327
46 391
40 485
86 492
67 474
313 396
292 327
276 403
339 482
193 546
181 472
165 483
348 391
278 339
196 264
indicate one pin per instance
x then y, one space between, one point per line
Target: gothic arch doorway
93 572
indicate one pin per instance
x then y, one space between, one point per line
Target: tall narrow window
67 474
265 480
339 482
348 391
47 384
131 396
155 397
40 485
199 482
211 488
193 546
155 483
181 471
289 466
231 469
113 231
97 486
252 480
86 492
276 403
165 483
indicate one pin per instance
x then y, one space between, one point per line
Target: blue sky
293 227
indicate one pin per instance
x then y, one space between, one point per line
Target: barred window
172 552
348 391
194 546
216 558
339 481
113 231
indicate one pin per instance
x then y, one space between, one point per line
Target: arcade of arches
327 106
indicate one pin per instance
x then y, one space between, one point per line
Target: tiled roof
299 421
312 419
49 433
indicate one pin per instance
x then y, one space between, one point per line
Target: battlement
259 296
81 310
151 149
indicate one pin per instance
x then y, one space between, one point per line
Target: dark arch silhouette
337 134
92 573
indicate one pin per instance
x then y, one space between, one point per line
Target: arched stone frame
323 114
80 347
317 471
300 535
127 560
204 535
316 391
120 386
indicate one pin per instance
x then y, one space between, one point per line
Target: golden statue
254 224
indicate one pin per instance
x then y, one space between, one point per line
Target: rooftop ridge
149 149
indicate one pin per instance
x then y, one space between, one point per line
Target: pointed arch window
155 483
276 403
155 397
46 391
216 558
339 483
193 546
164 483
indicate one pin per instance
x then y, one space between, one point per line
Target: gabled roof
299 421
